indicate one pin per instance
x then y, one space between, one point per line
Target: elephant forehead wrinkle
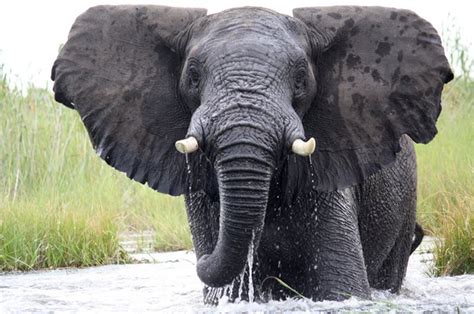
269 60
251 58
249 77
256 80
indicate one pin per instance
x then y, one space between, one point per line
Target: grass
446 171
60 205
446 182
31 238
454 250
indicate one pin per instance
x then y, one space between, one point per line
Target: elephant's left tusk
188 145
303 148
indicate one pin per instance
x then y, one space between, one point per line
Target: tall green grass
446 171
57 237
60 205
446 182
446 165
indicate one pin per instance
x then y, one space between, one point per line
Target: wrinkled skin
246 83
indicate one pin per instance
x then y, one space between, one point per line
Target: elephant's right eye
300 77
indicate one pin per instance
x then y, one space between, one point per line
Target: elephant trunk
244 139
244 182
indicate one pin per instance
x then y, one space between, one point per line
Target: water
171 284
250 267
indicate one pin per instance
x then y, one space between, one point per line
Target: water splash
219 295
312 172
250 268
171 285
241 285
188 171
224 294
190 180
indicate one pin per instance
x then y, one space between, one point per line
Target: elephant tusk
303 148
188 145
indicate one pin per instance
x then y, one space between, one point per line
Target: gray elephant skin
245 87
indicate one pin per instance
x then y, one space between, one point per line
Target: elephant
290 137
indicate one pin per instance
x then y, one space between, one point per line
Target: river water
170 284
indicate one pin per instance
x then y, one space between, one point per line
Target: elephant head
239 91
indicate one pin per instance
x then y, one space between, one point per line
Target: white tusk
303 148
188 145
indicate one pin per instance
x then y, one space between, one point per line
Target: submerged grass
60 205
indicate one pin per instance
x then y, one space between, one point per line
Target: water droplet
188 170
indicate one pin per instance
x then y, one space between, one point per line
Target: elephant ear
119 70
380 73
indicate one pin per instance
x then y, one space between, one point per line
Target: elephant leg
393 269
386 226
387 213
387 238
339 268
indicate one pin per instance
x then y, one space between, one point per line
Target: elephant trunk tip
213 274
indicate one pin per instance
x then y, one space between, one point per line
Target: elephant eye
300 76
300 79
194 77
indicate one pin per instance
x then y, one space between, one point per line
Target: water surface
170 283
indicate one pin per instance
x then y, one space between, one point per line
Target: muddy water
170 284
